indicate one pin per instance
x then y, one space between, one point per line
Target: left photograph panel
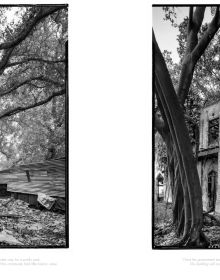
34 126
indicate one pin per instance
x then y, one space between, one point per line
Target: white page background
110 91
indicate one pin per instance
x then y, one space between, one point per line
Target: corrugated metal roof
35 188
53 184
55 164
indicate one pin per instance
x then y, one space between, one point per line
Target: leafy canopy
32 82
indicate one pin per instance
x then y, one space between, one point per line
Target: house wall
204 167
217 206
207 114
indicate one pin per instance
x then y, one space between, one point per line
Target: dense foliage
32 88
204 88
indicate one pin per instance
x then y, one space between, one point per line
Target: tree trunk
187 190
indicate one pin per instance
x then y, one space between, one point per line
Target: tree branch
27 81
195 22
19 109
5 58
207 37
34 59
195 50
190 23
216 16
44 12
198 17
48 80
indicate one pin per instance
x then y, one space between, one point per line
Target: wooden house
26 181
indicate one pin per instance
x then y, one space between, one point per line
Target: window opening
213 132
211 190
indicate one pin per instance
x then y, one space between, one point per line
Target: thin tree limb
206 38
190 24
34 59
19 109
5 58
27 81
198 17
32 22
195 22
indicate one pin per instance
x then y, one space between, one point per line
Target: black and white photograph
186 98
34 126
